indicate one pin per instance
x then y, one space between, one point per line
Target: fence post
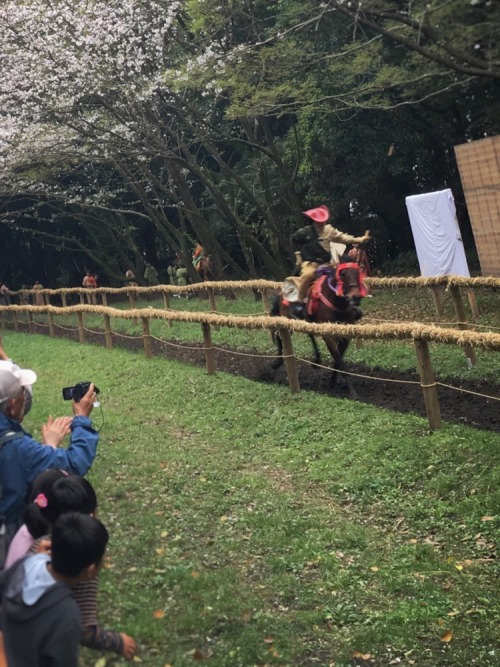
81 330
104 298
82 298
16 321
166 303
290 361
146 336
209 350
47 299
213 305
437 296
265 301
63 299
428 383
472 302
108 335
132 299
459 307
52 331
31 328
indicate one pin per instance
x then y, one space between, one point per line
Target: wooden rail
421 334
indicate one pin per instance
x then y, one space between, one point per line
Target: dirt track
456 406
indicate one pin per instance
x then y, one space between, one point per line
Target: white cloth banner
434 224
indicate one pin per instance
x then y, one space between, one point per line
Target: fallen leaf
268 640
487 518
374 568
101 662
164 533
159 613
198 655
160 552
363 656
447 637
195 574
136 659
223 518
459 567
453 613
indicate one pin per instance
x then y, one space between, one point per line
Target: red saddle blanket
313 297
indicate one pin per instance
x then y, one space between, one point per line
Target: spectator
89 282
4 295
41 620
21 457
130 278
38 299
151 275
54 493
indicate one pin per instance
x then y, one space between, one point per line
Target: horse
334 297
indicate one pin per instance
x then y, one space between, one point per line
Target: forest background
130 130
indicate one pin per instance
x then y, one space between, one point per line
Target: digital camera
77 392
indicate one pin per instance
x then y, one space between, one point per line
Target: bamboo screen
479 166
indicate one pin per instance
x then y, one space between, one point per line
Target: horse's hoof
276 363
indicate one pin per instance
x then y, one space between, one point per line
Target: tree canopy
131 130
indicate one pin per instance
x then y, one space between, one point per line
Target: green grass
271 529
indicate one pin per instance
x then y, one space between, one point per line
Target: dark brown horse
334 297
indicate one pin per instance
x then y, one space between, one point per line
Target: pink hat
320 214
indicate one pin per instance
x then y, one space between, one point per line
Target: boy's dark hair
78 540
55 492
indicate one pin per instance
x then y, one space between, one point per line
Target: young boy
39 617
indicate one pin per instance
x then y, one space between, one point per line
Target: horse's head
350 282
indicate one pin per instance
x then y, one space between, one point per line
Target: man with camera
21 457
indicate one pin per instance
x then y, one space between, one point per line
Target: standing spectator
89 282
38 299
181 276
151 275
130 278
41 620
24 299
171 273
4 295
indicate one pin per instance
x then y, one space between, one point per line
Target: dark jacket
45 634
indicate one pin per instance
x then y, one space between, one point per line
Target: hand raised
86 403
54 430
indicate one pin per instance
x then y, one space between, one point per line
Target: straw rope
393 331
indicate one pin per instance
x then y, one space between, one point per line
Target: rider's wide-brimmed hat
320 214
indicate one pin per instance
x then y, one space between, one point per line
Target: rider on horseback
311 246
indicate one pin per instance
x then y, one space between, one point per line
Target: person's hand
54 430
86 403
44 547
298 259
129 646
367 236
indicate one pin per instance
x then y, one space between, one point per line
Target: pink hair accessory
41 500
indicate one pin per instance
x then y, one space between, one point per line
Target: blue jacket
23 458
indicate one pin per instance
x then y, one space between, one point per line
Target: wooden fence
421 334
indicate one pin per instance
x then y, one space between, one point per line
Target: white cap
12 379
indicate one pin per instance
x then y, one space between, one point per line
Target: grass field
252 527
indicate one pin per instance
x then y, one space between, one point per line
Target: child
55 492
40 619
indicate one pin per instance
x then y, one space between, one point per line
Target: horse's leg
337 348
276 363
317 355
